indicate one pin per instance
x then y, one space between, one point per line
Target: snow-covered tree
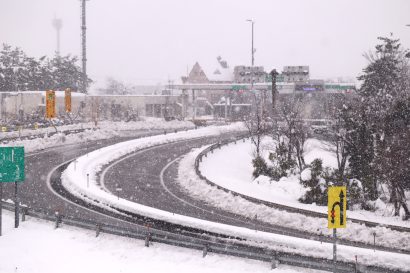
19 72
377 126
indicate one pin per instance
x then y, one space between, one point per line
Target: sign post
1 205
336 216
11 170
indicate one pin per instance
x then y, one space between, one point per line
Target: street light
252 56
253 51
408 53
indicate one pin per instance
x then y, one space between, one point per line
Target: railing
306 235
206 244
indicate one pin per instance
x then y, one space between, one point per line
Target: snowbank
105 130
231 168
36 247
75 180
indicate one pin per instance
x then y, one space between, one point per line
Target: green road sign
238 87
11 164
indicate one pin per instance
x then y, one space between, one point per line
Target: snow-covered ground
143 124
197 187
92 163
105 130
75 180
231 168
36 247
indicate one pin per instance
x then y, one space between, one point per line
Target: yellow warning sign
336 207
50 104
67 100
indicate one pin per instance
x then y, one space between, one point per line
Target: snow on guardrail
80 178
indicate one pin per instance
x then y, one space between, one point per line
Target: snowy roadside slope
198 188
75 180
146 123
36 247
105 130
231 168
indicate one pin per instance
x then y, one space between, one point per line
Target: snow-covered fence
208 244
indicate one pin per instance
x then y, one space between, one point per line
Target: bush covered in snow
313 179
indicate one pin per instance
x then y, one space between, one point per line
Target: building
245 74
295 73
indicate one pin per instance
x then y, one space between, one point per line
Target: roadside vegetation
369 135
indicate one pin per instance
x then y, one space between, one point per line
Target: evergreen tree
377 125
21 72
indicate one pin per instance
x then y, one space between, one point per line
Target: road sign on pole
50 104
336 207
336 204
67 100
11 164
11 170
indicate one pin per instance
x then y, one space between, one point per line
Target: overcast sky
151 41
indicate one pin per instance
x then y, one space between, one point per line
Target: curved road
36 193
146 177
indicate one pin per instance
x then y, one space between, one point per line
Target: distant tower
58 24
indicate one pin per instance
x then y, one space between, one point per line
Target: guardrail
306 235
206 244
42 135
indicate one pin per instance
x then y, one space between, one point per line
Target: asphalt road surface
147 177
36 193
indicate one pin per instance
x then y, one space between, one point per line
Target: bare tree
256 130
292 127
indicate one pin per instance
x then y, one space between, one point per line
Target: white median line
75 180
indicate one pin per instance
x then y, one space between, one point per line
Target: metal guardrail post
204 251
58 220
274 261
355 264
147 236
97 230
24 211
147 239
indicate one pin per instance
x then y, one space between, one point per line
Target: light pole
252 53
408 53
252 70
252 62
83 46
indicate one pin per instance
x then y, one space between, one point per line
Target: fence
205 243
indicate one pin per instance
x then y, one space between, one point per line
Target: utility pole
83 43
274 74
